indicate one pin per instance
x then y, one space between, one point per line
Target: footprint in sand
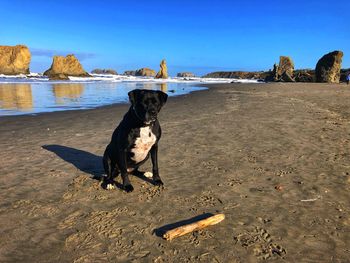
101 221
82 242
101 258
33 209
196 237
148 192
71 220
260 242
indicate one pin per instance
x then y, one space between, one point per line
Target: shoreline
252 152
4 117
23 99
207 86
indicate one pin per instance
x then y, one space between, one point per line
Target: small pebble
279 187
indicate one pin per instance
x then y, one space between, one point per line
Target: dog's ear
133 96
162 97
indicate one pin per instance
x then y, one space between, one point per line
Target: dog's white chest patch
143 144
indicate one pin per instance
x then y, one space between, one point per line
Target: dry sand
274 158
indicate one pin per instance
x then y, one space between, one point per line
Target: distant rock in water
130 72
14 60
145 72
237 75
284 71
185 75
163 72
62 67
328 67
104 71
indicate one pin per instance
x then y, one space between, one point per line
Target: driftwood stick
182 230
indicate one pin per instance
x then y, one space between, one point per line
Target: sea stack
62 67
104 71
14 60
163 72
328 67
130 73
185 75
283 71
286 68
145 72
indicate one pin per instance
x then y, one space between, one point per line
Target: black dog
135 137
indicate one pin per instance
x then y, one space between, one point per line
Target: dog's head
147 103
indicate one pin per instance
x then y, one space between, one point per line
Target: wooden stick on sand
182 230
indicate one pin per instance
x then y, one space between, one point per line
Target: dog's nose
153 112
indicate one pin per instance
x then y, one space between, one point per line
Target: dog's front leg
154 156
122 164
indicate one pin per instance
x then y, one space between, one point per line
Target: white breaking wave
39 78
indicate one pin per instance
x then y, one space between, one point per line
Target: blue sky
198 36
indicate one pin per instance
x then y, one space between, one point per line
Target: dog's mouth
150 120
150 117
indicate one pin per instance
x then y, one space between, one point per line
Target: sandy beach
274 158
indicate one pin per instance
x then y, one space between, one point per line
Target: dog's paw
110 187
158 182
148 174
128 188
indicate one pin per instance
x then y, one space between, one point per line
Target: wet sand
274 158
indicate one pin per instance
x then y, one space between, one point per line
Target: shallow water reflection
33 98
164 87
16 96
65 91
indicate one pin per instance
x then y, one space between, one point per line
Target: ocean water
35 94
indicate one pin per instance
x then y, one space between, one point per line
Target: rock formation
343 73
14 60
284 71
130 72
286 66
104 71
304 75
62 67
185 75
237 74
328 67
145 72
163 72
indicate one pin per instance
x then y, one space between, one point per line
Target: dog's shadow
86 162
